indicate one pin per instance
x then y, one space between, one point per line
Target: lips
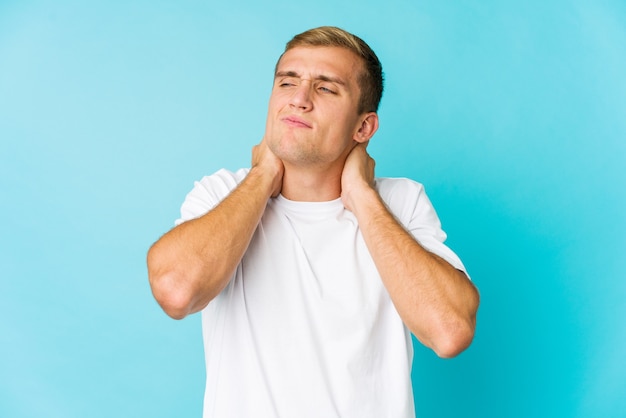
296 122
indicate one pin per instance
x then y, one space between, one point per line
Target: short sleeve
408 202
208 192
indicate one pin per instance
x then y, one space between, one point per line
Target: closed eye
325 89
287 81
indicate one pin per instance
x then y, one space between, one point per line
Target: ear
367 127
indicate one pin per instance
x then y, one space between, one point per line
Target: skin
314 149
312 122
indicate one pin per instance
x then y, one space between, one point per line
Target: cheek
272 112
277 99
346 125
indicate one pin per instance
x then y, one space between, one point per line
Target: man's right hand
193 262
265 161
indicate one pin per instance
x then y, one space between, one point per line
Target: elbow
457 332
453 342
448 338
168 291
174 301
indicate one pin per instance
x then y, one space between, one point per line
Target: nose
301 97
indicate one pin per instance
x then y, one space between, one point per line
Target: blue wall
512 115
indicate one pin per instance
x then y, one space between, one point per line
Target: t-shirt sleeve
208 192
409 203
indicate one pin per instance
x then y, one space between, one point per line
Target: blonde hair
370 80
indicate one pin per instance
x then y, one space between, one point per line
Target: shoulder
400 191
407 200
223 178
209 191
397 184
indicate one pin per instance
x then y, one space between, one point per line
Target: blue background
513 114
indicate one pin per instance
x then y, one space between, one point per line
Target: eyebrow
320 77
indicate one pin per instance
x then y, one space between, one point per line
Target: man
310 273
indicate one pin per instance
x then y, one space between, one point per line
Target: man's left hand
357 175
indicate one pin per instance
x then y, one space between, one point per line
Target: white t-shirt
305 328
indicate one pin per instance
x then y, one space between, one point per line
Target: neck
311 184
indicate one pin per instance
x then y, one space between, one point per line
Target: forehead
321 61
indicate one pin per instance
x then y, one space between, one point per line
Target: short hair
370 80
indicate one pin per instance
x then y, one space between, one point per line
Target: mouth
296 122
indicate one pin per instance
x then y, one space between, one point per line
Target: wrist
268 179
359 196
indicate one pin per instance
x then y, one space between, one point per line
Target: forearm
193 262
437 302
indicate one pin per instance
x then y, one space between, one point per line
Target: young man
310 273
